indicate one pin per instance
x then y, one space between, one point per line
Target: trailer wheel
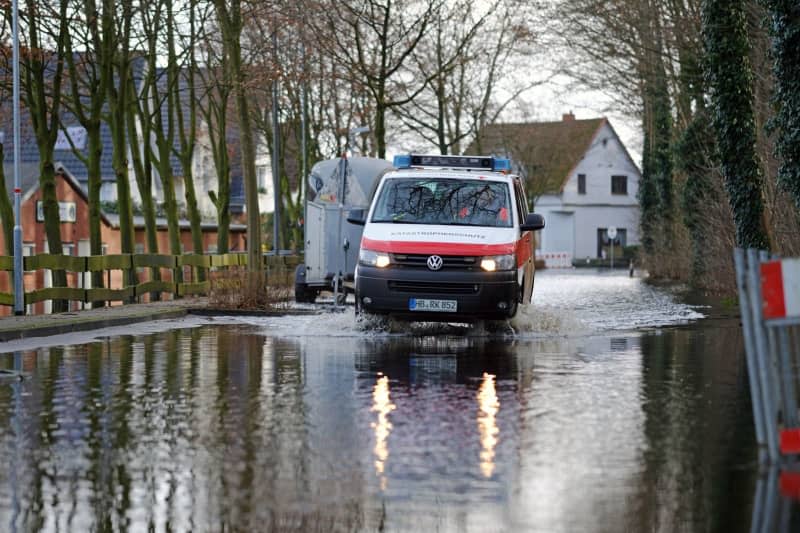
302 292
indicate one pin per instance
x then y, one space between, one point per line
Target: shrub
238 288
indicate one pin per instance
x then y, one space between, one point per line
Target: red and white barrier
780 288
555 259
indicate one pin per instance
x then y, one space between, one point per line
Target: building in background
579 176
74 214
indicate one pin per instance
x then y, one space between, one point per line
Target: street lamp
19 300
353 133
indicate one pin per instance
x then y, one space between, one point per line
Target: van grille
449 262
417 287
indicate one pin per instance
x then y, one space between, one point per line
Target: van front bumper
478 294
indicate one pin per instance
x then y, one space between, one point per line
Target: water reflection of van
446 238
447 360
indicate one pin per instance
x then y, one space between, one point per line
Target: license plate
442 306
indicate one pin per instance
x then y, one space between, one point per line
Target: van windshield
444 201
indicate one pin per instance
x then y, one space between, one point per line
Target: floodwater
609 405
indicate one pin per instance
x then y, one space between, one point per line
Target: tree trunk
143 168
143 172
6 209
231 25
41 73
380 129
187 136
785 31
52 220
222 198
118 101
95 184
731 84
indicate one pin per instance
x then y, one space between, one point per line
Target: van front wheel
512 311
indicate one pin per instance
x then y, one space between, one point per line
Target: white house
580 177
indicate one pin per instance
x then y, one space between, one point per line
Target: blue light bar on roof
402 161
453 161
501 164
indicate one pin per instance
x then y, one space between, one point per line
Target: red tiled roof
548 151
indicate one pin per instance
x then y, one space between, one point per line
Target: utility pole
303 130
19 296
276 151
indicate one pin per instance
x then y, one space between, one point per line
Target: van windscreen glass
444 201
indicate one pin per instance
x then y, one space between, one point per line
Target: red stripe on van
441 248
524 248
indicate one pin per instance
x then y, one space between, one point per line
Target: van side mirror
357 216
533 222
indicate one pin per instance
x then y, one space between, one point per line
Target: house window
28 250
619 184
67 248
581 183
108 191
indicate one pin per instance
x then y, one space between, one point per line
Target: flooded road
609 405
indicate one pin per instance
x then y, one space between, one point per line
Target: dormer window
619 185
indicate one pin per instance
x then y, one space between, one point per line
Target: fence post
765 366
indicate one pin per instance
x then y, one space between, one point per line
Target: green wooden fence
125 263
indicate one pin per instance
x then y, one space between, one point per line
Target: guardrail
769 299
193 263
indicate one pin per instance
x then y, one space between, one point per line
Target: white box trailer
331 243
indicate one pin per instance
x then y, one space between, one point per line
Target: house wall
605 157
589 219
266 196
237 241
76 234
573 219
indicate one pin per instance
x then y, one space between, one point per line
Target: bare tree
374 40
466 56
156 90
6 210
43 74
231 23
213 100
183 98
89 78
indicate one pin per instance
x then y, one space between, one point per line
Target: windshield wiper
398 221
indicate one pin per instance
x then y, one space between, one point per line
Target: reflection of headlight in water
382 404
489 405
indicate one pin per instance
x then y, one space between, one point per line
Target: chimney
567 117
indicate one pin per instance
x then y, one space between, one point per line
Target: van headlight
371 258
491 263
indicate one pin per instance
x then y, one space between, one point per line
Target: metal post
19 297
342 193
304 149
276 152
765 365
612 254
750 350
779 339
303 131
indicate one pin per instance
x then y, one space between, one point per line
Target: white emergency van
446 238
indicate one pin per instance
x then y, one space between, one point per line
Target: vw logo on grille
435 262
